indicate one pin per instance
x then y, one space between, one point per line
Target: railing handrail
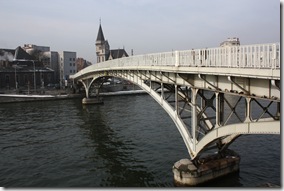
261 56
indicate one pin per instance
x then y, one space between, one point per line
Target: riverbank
11 97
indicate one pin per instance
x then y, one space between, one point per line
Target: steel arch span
211 105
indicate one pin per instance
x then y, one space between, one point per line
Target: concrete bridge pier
213 95
90 100
195 172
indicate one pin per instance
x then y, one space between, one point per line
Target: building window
73 59
70 71
70 59
70 64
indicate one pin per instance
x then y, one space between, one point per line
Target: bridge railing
266 56
249 56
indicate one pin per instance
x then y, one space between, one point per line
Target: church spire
100 36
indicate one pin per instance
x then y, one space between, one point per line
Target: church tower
102 46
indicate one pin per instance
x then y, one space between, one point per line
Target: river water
129 141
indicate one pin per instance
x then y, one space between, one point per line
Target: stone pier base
186 173
86 101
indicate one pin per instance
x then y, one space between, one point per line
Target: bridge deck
257 61
250 72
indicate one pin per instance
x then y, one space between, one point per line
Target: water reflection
128 141
115 152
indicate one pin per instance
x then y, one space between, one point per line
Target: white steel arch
251 72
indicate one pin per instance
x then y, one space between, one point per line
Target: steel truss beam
206 118
202 123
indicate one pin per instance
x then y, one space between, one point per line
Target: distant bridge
213 95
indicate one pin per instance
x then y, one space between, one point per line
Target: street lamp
16 66
34 76
16 83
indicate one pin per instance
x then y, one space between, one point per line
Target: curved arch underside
262 127
196 104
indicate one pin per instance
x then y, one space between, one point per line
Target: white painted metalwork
251 72
259 56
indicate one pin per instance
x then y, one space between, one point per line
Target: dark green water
128 142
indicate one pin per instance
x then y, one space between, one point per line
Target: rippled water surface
128 142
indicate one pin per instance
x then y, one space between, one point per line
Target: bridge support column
219 108
187 173
162 93
248 110
194 116
86 86
176 100
190 173
87 100
193 172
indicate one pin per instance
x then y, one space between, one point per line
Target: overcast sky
146 26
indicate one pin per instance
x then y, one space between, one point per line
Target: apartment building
63 63
67 66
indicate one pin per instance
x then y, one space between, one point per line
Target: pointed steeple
100 36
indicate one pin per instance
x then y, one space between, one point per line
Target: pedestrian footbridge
213 95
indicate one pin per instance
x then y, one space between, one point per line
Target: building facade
63 63
32 65
230 42
49 59
19 70
103 50
82 63
67 65
31 47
